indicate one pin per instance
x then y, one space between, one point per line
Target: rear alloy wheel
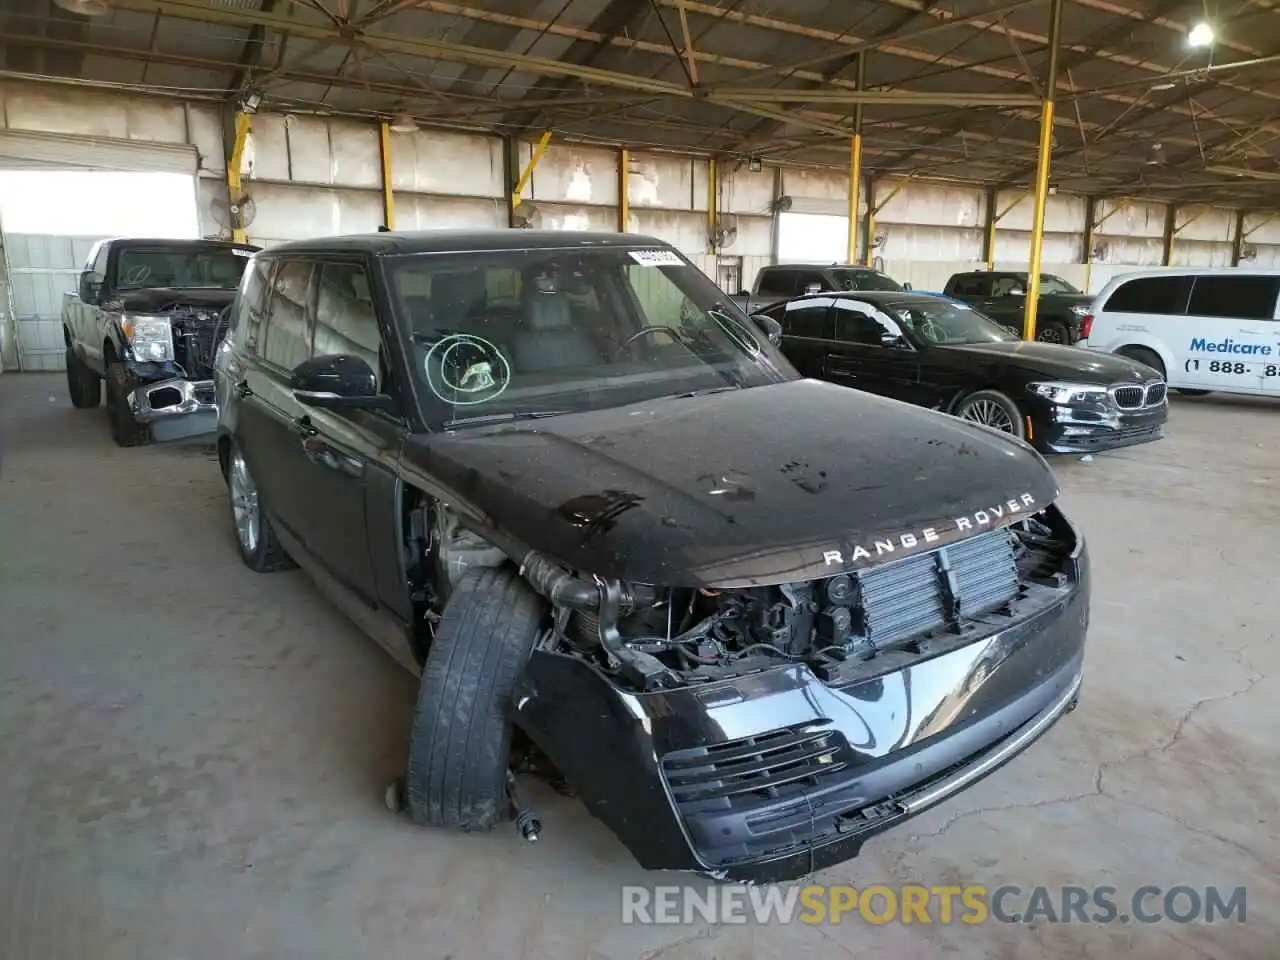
83 385
255 537
993 409
1053 332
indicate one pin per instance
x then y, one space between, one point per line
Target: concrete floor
192 757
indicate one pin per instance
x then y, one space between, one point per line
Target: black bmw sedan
940 354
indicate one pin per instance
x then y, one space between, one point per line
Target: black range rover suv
752 619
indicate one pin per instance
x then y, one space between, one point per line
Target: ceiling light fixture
1201 35
86 8
403 123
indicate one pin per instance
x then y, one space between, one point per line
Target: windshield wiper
704 392
511 416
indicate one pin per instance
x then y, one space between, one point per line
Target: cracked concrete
192 758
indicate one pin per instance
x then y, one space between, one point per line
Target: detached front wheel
991 408
460 739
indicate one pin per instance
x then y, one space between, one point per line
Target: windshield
183 267
1052 284
945 323
864 280
541 332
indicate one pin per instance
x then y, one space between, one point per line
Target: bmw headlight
1063 393
151 337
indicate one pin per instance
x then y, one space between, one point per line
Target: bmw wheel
993 409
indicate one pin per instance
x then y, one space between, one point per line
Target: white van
1204 329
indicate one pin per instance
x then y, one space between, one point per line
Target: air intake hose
559 585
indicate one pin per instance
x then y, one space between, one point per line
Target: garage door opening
50 219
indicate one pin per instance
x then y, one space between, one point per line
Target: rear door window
1234 297
777 283
1152 295
807 318
972 286
288 339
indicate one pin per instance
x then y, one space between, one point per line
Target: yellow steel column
713 213
527 173
243 123
1042 175
855 167
869 253
388 195
624 185
855 181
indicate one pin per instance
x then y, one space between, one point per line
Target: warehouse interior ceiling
949 89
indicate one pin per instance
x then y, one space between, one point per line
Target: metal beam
234 163
388 192
1166 238
1042 174
855 167
526 174
713 203
989 234
1237 239
624 190
922 98
869 224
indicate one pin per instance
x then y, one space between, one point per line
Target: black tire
125 431
979 407
1054 331
1184 391
460 739
1145 356
263 552
83 385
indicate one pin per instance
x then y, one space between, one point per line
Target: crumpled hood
1058 362
777 483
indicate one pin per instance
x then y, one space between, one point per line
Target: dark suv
1062 311
561 481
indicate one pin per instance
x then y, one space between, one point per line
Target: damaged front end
171 367
763 732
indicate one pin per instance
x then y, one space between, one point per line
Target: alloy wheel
989 414
1050 335
244 503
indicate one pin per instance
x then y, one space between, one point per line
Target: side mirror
770 327
337 382
907 287
90 289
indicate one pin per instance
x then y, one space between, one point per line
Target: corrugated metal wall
314 176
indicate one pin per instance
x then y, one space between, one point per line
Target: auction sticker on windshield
656 258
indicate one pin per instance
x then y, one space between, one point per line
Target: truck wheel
125 430
83 384
460 738
260 550
1053 331
991 408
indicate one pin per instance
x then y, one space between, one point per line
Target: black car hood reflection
762 485
1056 362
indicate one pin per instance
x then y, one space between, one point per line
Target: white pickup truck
146 319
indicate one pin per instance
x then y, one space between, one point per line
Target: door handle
242 389
304 426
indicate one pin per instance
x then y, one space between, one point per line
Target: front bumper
1091 428
773 775
164 402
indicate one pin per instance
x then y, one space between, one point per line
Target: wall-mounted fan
1248 253
724 233
525 215
233 214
